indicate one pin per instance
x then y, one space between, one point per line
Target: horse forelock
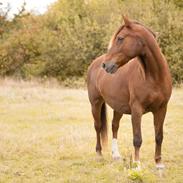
121 27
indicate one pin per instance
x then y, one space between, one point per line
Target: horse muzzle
110 67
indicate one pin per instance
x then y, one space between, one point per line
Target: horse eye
120 39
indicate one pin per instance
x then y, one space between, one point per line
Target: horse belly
121 108
120 105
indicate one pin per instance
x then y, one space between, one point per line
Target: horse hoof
160 166
116 156
136 165
99 154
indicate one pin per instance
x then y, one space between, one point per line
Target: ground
47 135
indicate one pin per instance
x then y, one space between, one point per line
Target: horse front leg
115 126
159 117
136 115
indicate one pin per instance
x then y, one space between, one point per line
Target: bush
63 42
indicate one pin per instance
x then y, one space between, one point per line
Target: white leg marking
115 152
160 166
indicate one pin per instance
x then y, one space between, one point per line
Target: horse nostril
103 65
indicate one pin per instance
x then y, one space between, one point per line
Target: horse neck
156 64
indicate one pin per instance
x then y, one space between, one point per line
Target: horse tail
104 135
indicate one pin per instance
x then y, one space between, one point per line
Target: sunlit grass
47 135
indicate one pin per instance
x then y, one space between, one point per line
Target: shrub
63 42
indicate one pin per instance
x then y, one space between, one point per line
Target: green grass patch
47 135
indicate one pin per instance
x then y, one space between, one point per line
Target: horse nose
103 65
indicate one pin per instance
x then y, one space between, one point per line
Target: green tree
63 42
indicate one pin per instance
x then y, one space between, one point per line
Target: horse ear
127 21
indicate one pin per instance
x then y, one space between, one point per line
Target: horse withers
132 78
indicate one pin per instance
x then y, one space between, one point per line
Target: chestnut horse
132 78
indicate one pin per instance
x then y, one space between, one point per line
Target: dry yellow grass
47 135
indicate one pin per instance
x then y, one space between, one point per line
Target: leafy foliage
63 42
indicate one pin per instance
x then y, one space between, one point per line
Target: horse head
128 42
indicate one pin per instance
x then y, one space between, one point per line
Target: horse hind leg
159 117
98 111
115 126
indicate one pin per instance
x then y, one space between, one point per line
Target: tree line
63 41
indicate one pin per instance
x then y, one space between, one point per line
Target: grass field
47 135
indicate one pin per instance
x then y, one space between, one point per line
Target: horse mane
121 27
154 35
